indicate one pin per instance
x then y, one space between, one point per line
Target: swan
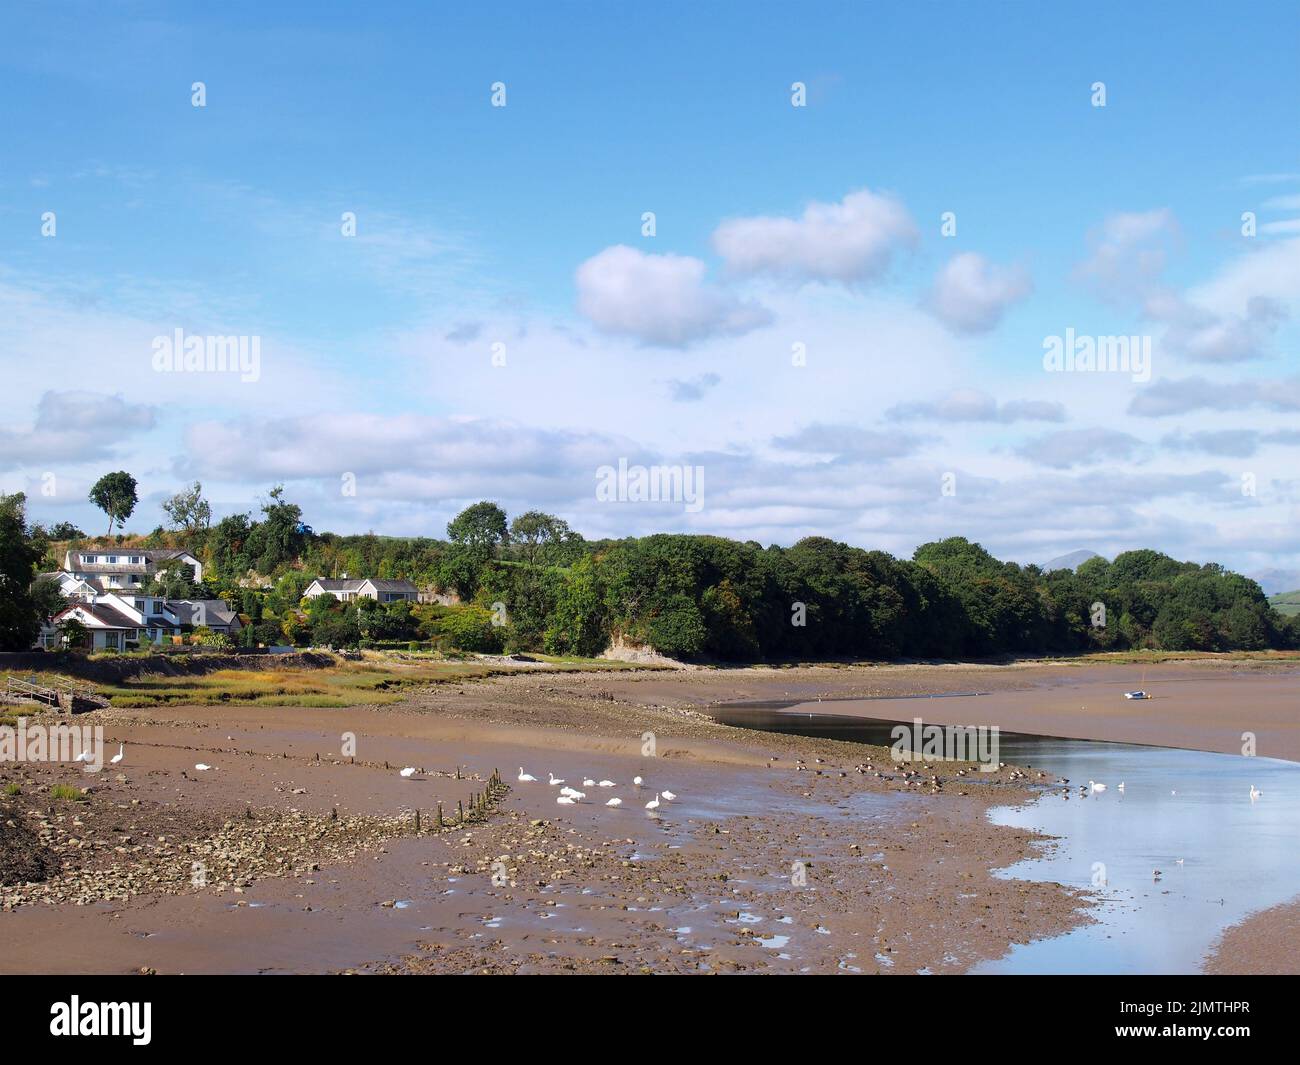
553 779
408 772
636 781
668 795
570 792
1255 793
588 783
117 757
653 804
525 778
1095 786
201 766
577 796
614 802
607 784
84 756
1120 787
563 800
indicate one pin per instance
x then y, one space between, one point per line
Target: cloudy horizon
659 250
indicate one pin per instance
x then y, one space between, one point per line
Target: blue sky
479 225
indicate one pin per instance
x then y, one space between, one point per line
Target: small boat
1136 695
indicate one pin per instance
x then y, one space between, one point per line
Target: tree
174 580
476 534
115 495
47 597
19 554
188 510
65 530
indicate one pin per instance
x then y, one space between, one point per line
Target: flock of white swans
572 796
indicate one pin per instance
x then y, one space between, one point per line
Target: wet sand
897 878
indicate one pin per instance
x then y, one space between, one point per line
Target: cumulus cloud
1079 447
971 405
75 426
1129 252
849 242
661 300
1228 443
1181 396
971 294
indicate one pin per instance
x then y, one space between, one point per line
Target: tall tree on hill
188 510
115 495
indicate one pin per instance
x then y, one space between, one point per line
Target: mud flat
313 860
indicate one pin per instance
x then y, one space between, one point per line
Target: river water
1188 814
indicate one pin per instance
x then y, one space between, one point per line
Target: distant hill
1287 603
1073 560
1276 581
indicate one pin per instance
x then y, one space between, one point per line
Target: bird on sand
117 757
202 766
615 802
84 756
668 795
653 804
525 778
564 800
606 784
588 783
636 781
553 779
408 772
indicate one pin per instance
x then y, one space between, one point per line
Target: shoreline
909 872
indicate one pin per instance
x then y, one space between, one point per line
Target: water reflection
1187 814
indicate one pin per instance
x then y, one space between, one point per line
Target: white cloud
971 294
659 299
849 242
971 405
1079 447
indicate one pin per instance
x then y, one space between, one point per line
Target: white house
345 590
110 629
126 567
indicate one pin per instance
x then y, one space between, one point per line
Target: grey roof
384 585
330 584
203 611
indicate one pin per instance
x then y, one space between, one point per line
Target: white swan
607 784
84 756
1255 793
563 800
577 796
201 767
117 757
588 783
614 802
525 778
553 779
668 795
636 781
1120 786
408 772
653 804
1095 786
570 792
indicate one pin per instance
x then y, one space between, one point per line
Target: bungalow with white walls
109 628
124 567
344 590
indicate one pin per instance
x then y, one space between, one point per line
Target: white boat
1136 695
